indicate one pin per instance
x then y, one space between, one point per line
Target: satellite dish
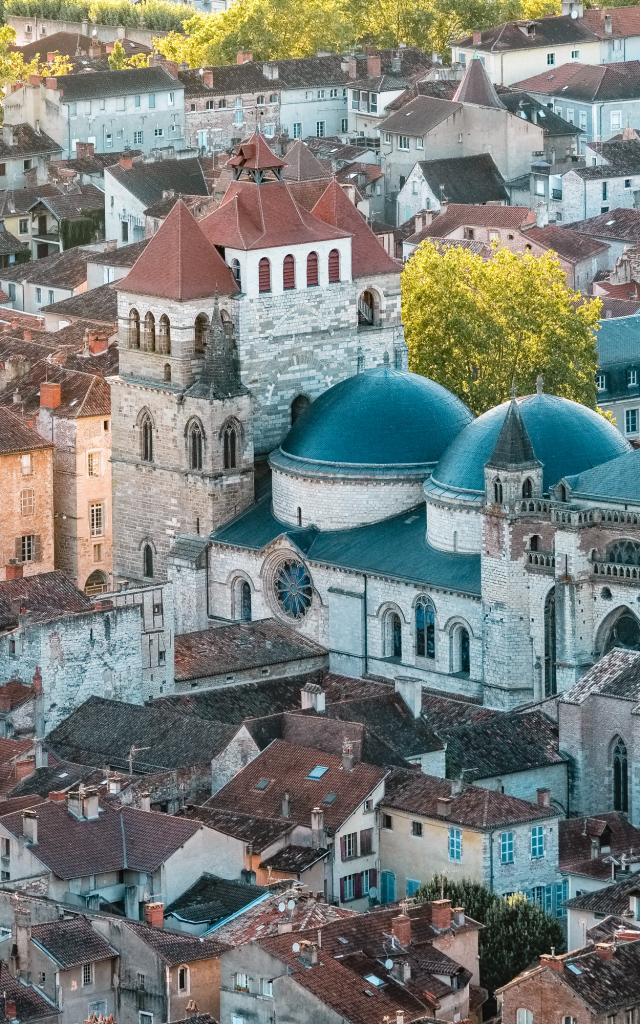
296 947
291 904
281 908
373 892
388 964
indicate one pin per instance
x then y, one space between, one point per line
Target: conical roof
367 254
179 263
254 155
513 447
303 165
476 87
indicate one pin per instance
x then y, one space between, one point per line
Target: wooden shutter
373 877
366 841
342 890
37 548
343 848
288 273
334 266
312 270
357 885
264 275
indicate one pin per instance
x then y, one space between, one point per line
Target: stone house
25 153
619 228
212 902
38 283
25 1003
132 186
373 88
611 180
581 258
617 375
432 184
431 826
62 222
618 903
27 523
595 850
139 108
15 207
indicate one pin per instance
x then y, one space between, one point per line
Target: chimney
41 756
477 37
410 692
401 929
25 767
207 78
286 805
30 827
271 71
443 806
318 833
126 162
542 216
634 904
312 696
595 848
145 801
458 917
13 570
347 756
401 971
399 1016
90 804
51 83
543 796
50 394
441 914
352 67
554 963
57 796
10 1008
97 343
605 950
396 63
244 56
21 934
422 220
114 786
74 803
85 150
374 65
154 915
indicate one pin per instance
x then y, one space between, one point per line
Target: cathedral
497 556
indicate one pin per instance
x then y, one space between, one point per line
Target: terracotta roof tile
46 596
459 214
367 254
265 919
302 165
17 436
240 646
72 942
177 947
260 832
570 245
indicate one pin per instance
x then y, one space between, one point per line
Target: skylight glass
317 772
574 968
373 979
262 783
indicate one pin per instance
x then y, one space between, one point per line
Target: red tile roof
16 436
587 844
13 693
265 919
570 245
255 155
367 255
625 21
179 263
458 215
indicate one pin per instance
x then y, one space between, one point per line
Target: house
333 797
87 167
470 180
592 984
375 86
303 909
595 850
25 152
618 368
60 222
600 99
95 855
589 909
211 902
431 826
619 228
24 1002
610 180
139 108
26 525
400 964
38 283
85 51
12 250
582 258
492 225
133 186
15 208
366 180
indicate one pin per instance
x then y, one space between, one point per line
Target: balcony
615 571
542 561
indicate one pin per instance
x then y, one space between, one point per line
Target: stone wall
27 510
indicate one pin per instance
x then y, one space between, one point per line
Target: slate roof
395 548
419 116
58 776
72 942
66 269
476 87
212 899
587 82
177 947
618 341
466 179
147 180
30 1004
459 214
287 767
259 832
513 35
616 480
99 305
474 807
571 245
617 675
240 646
26 142
620 157
102 731
73 204
367 254
121 837
46 596
612 899
18 436
619 225
513 447
116 83
614 835
532 110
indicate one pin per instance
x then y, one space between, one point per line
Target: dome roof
379 418
566 437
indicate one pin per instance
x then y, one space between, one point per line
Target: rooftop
81 394
21 140
67 270
212 900
148 180
617 675
116 83
17 436
266 918
71 942
524 35
44 597
572 246
618 225
612 899
302 164
31 1005
467 179
419 116
587 845
459 215
616 480
587 82
176 948
260 833
100 305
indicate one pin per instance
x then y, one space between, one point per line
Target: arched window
264 275
288 273
312 270
623 632
200 329
167 373
164 339
527 488
146 438
334 266
147 561
245 601
195 439
230 446
464 651
235 270
134 329
550 682
497 491
392 636
96 583
368 309
624 552
227 323
425 617
149 333
298 406
620 767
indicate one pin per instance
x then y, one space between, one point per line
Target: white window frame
88 974
601 382
404 143
96 518
631 415
297 129
321 129
632 378
615 120
26 464
27 502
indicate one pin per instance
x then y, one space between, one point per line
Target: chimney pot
57 796
30 827
554 963
312 696
441 914
244 56
154 915
374 65
50 394
401 929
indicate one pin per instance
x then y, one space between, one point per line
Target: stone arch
623 552
96 583
264 274
231 437
164 335
535 542
148 554
619 765
133 329
424 619
460 636
527 488
200 330
241 598
619 628
369 308
391 623
196 442
497 491
146 430
149 333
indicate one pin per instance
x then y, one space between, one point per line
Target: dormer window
632 378
531 29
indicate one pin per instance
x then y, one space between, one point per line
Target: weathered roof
82 394
46 596
466 179
614 308
367 254
72 204
459 214
619 224
212 899
259 832
294 859
525 35
17 436
9 244
617 675
573 246
97 304
30 1003
177 947
116 83
302 164
476 87
240 646
612 899
419 116
25 141
618 341
619 157
72 942
66 269
587 844
532 110
587 82
266 918
148 180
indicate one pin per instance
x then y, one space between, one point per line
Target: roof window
330 798
574 968
373 979
262 783
317 772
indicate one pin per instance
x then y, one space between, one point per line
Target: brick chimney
605 950
374 65
10 1008
443 806
401 929
441 914
50 394
25 768
85 150
57 796
97 343
477 37
126 162
13 570
544 797
51 83
352 67
207 78
154 915
244 56
554 963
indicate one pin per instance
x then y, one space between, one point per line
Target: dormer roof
254 155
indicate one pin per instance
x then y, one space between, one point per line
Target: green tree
515 931
14 68
478 326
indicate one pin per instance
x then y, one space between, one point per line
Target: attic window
330 798
317 772
262 783
574 968
374 980
343 940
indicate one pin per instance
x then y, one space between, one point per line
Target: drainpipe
206 576
491 835
366 629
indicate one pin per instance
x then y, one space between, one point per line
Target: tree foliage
14 68
118 60
157 15
480 326
515 931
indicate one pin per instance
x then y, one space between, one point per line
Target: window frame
537 842
454 844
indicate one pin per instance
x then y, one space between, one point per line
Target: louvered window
264 275
288 273
334 266
312 270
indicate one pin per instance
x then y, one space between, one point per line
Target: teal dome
567 438
380 418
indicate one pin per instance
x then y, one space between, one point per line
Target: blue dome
567 438
379 418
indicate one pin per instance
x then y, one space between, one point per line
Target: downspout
366 629
491 835
206 576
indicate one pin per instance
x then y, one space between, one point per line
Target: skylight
374 980
330 798
262 783
574 968
317 772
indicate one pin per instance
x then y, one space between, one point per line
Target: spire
220 377
476 87
513 448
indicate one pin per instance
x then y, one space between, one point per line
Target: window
235 270
312 270
97 552
183 979
527 488
241 981
260 101
582 119
627 182
38 295
297 129
196 446
264 275
387 822
416 829
108 140
601 382
230 446
464 654
403 142
631 421
334 266
412 886
146 438
27 502
524 1016
537 842
620 776
344 125
299 405
24 225
320 129
632 378
172 99
96 519
158 132
120 103
425 619
268 129
550 665
144 1017
288 273
497 491
5 847
266 988
138 137
349 846
27 548
392 636
125 230
152 101
87 974
273 97
551 59
147 561
26 465
506 847
605 190
3 170
615 120
50 295
347 888
455 844
317 772
12 291
137 101
94 464
366 842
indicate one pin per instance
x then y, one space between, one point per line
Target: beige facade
26 519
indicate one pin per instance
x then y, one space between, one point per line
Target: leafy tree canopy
14 68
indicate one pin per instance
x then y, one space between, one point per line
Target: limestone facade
26 520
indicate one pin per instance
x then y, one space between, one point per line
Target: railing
591 516
533 507
544 560
616 571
